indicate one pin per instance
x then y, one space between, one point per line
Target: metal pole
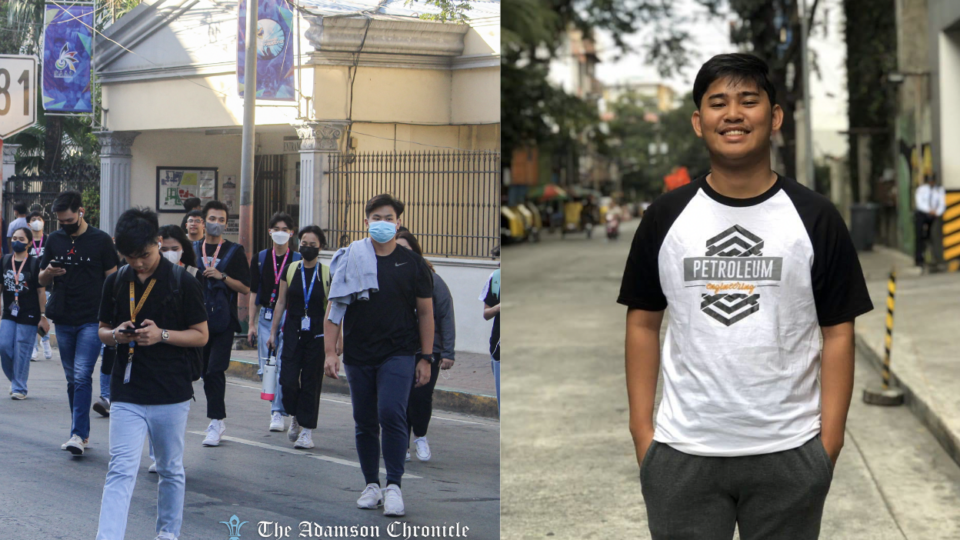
249 138
807 101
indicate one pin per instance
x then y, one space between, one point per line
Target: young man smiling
742 436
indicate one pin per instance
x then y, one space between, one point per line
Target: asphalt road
45 493
569 465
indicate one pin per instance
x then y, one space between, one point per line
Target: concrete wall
466 279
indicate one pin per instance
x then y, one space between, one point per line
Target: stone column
115 164
317 141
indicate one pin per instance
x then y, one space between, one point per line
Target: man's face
281 226
217 216
384 213
36 219
69 217
145 260
195 225
736 121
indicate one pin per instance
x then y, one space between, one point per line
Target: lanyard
276 271
16 277
307 293
135 308
206 261
36 248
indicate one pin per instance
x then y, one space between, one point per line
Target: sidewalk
924 358
466 388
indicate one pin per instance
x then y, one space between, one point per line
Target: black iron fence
38 193
452 199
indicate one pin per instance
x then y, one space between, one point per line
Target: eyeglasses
195 221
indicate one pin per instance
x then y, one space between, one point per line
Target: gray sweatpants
770 496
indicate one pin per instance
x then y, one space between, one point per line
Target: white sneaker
75 445
392 501
423 449
33 357
152 468
371 497
294 430
47 353
276 422
305 440
214 431
18 396
408 456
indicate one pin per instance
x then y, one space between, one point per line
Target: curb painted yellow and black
951 231
443 399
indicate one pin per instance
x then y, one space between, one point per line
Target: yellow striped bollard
886 395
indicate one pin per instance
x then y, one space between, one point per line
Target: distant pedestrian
20 219
37 245
491 310
931 202
194 225
383 296
192 204
420 408
24 304
162 305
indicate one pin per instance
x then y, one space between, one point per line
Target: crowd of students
168 317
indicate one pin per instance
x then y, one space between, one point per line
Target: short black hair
135 231
68 200
215 205
315 230
284 217
192 203
20 208
382 200
194 213
189 257
35 214
738 67
26 231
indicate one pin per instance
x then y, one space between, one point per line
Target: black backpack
194 354
216 295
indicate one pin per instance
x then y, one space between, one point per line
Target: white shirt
929 198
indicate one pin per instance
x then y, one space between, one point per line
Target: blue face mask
18 247
382 231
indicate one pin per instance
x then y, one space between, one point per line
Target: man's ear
777 118
695 121
399 223
366 222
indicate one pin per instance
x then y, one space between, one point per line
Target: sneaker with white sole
423 449
393 501
214 431
47 353
102 407
408 456
33 357
18 396
294 430
76 445
371 497
305 440
276 422
152 468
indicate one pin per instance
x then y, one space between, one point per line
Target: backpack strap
117 284
225 261
292 272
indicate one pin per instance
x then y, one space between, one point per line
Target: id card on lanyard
134 309
278 273
207 262
305 322
15 308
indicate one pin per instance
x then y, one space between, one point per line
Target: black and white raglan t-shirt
748 282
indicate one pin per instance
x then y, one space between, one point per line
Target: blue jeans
79 349
167 426
104 379
16 346
263 333
380 395
495 365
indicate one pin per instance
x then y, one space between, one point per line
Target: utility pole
249 137
807 101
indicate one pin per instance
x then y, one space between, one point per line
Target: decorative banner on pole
275 37
67 44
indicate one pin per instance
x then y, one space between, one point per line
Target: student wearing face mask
76 261
300 309
36 247
266 274
23 307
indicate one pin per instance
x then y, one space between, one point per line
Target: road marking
342 402
297 452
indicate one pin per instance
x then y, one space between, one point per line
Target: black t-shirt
236 268
86 259
386 325
265 284
29 312
295 310
492 300
160 374
38 246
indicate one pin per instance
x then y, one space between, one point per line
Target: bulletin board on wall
176 184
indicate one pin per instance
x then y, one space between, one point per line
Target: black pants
216 360
420 407
301 377
923 223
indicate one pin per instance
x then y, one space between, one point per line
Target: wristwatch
427 357
164 335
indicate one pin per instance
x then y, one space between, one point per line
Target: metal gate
451 199
38 193
268 197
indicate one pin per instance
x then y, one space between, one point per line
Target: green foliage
91 205
450 10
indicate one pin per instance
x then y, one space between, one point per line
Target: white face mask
280 237
172 256
36 226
